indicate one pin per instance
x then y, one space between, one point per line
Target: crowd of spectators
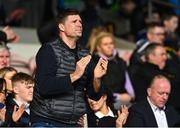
141 91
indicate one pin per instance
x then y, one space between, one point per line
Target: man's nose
4 60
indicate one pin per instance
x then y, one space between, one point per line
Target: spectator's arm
128 86
47 81
92 83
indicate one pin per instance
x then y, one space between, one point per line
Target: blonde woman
7 73
116 78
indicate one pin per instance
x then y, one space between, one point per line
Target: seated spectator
153 111
155 56
4 55
2 100
14 60
155 34
116 78
18 112
7 73
170 21
101 113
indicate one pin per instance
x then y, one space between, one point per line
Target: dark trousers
47 124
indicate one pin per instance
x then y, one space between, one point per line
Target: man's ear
61 27
149 91
151 56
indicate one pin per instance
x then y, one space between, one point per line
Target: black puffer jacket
63 101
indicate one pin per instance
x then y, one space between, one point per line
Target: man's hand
122 116
80 68
17 113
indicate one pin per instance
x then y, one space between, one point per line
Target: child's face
24 91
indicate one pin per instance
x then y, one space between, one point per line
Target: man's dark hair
64 13
168 16
22 77
153 25
150 49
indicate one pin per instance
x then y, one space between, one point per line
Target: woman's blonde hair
5 70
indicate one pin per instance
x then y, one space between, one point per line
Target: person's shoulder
10 104
139 106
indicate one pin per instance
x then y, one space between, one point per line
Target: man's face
24 91
159 92
4 58
172 24
72 26
106 46
97 105
157 34
159 57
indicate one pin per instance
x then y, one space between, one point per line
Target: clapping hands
122 116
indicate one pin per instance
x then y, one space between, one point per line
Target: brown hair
22 77
4 70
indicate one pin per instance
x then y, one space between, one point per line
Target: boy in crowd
18 112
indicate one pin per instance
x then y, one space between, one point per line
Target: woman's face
97 105
106 46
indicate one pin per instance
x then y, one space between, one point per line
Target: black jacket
108 121
114 78
142 78
55 97
24 121
141 115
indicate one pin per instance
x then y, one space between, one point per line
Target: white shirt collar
101 115
160 115
19 103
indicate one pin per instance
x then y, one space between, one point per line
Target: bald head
159 91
